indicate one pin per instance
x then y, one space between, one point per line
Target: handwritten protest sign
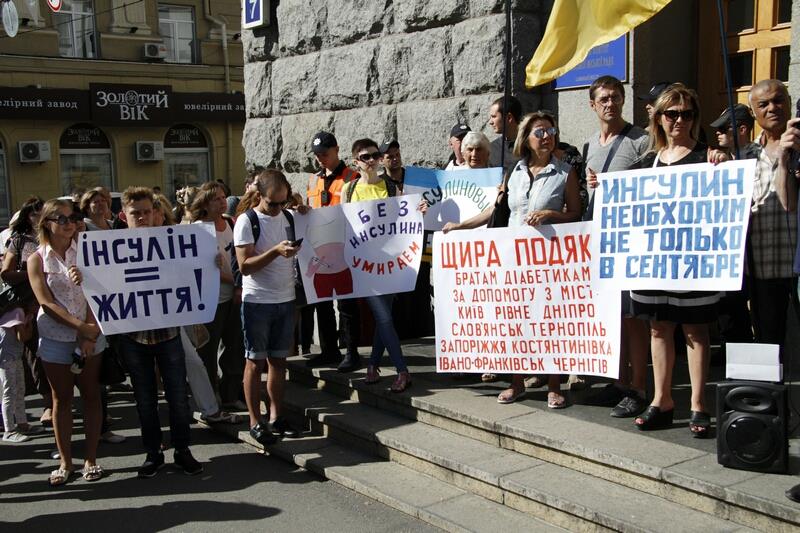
360 249
150 278
454 195
519 300
672 228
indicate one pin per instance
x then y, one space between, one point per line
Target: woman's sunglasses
366 158
63 220
539 133
673 114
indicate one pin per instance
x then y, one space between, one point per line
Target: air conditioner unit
34 151
149 150
155 50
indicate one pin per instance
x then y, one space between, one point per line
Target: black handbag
502 212
111 371
17 295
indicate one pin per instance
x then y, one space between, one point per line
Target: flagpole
728 78
506 82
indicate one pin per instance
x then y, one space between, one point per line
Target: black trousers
770 301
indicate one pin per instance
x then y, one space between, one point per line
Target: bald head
769 100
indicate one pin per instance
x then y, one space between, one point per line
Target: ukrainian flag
577 26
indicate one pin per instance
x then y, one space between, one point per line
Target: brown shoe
402 382
373 375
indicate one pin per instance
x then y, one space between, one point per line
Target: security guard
325 189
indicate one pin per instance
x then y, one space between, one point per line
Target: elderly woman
96 206
675 126
69 337
541 189
475 149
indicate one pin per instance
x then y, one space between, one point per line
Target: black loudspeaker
752 426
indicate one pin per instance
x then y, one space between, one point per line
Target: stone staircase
445 452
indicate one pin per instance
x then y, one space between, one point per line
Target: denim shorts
268 329
60 352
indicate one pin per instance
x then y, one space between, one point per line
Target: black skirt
690 307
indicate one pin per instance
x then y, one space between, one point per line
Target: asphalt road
240 490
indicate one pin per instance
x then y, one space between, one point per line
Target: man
225 331
265 251
744 127
511 117
616 147
325 189
233 201
650 97
393 163
456 159
141 352
773 231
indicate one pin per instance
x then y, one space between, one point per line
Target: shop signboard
49 104
131 105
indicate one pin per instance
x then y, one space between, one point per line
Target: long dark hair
22 225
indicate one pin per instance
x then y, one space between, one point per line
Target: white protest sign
360 249
518 300
672 228
150 278
453 195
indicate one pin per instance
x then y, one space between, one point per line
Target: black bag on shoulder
20 293
502 212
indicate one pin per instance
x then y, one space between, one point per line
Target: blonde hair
205 194
164 206
50 209
675 94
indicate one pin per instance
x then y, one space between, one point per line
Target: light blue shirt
546 190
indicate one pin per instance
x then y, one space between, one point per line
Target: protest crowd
49 332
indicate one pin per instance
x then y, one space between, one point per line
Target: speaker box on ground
752 426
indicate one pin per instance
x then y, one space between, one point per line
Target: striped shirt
773 230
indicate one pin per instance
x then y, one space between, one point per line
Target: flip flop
59 477
556 400
92 473
510 398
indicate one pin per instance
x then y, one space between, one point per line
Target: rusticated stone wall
404 69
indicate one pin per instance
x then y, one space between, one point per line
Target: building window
176 24
85 156
185 158
76 32
741 16
781 62
4 203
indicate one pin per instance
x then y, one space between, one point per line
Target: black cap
655 91
740 111
459 130
322 141
387 145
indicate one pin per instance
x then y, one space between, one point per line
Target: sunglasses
673 114
63 220
275 205
366 158
539 133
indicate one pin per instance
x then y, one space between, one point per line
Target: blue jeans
141 360
385 333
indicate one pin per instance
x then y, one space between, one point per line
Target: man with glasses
265 250
616 147
325 189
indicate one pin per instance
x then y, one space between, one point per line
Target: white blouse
65 292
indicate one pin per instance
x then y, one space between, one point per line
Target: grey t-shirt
632 148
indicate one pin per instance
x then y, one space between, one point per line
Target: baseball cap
322 142
655 91
389 144
459 130
740 111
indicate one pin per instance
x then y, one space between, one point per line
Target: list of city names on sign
518 300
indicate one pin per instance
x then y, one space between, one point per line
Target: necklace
671 155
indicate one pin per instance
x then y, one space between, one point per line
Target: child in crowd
15 328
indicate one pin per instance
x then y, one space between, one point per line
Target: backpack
391 188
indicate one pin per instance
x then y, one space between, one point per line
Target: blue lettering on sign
138 249
135 304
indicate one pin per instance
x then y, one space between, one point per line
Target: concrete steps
541 462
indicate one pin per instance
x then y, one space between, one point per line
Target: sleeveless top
65 293
546 190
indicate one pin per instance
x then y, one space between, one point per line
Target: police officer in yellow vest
325 189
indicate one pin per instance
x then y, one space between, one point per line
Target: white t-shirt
224 247
274 283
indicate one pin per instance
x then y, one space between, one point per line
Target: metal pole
728 80
506 82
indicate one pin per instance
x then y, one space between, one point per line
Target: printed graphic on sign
672 228
360 249
150 278
518 300
253 14
54 5
454 195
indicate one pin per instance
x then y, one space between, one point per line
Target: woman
22 243
541 189
370 186
95 206
675 126
68 336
